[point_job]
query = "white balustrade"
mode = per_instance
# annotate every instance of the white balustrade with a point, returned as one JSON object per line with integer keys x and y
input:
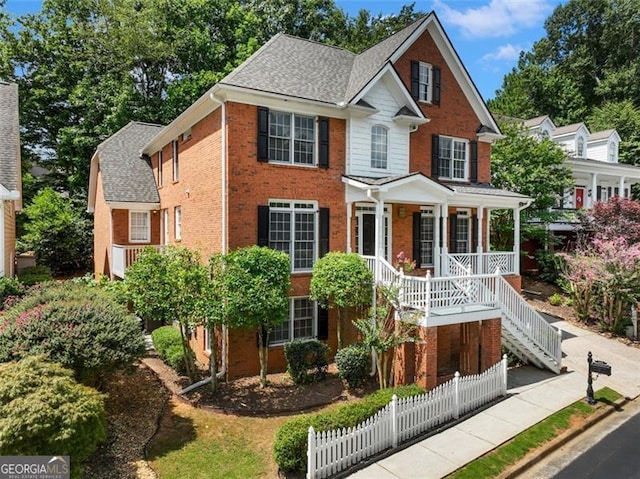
{"x": 124, "y": 256}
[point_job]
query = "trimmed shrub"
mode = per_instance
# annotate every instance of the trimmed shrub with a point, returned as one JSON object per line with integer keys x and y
{"x": 10, "y": 287}
{"x": 35, "y": 274}
{"x": 353, "y": 364}
{"x": 290, "y": 446}
{"x": 80, "y": 327}
{"x": 44, "y": 411}
{"x": 168, "y": 344}
{"x": 307, "y": 360}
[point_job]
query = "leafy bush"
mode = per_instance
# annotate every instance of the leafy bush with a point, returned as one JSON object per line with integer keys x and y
{"x": 43, "y": 411}
{"x": 168, "y": 344}
{"x": 10, "y": 287}
{"x": 353, "y": 364}
{"x": 290, "y": 446}
{"x": 80, "y": 327}
{"x": 307, "y": 360}
{"x": 35, "y": 274}
{"x": 555, "y": 299}
{"x": 549, "y": 266}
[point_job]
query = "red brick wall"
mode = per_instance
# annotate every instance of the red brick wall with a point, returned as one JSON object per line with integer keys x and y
{"x": 454, "y": 116}
{"x": 491, "y": 337}
{"x": 101, "y": 233}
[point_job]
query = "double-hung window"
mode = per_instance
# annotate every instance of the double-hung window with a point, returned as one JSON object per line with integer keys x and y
{"x": 139, "y": 227}
{"x": 580, "y": 147}
{"x": 160, "y": 168}
{"x": 453, "y": 158}
{"x": 292, "y": 138}
{"x": 463, "y": 232}
{"x": 612, "y": 152}
{"x": 177, "y": 220}
{"x": 424, "y": 82}
{"x": 176, "y": 161}
{"x": 427, "y": 237}
{"x": 379, "y": 146}
{"x": 300, "y": 323}
{"x": 293, "y": 229}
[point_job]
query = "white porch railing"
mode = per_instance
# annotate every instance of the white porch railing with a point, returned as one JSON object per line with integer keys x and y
{"x": 330, "y": 452}
{"x": 482, "y": 263}
{"x": 124, "y": 256}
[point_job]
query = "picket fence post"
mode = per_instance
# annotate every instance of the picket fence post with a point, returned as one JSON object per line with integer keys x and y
{"x": 311, "y": 454}
{"x": 456, "y": 381}
{"x": 504, "y": 375}
{"x": 394, "y": 418}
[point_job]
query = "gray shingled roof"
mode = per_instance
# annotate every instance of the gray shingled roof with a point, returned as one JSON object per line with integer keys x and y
{"x": 301, "y": 68}
{"x": 125, "y": 176}
{"x": 564, "y": 130}
{"x": 600, "y": 135}
{"x": 9, "y": 136}
{"x": 532, "y": 122}
{"x": 484, "y": 189}
{"x": 387, "y": 179}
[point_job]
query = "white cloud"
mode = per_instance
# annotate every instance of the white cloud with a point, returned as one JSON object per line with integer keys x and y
{"x": 498, "y": 18}
{"x": 507, "y": 53}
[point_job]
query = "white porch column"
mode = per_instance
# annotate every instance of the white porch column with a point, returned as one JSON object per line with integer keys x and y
{"x": 379, "y": 229}
{"x": 621, "y": 187}
{"x": 444, "y": 250}
{"x": 516, "y": 240}
{"x": 478, "y": 226}
{"x": 349, "y": 210}
{"x": 436, "y": 237}
{"x": 594, "y": 189}
{"x": 487, "y": 241}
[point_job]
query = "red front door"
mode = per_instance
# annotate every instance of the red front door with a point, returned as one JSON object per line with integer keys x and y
{"x": 579, "y": 198}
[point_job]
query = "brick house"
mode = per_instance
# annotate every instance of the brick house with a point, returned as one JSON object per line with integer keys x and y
{"x": 309, "y": 148}
{"x": 10, "y": 175}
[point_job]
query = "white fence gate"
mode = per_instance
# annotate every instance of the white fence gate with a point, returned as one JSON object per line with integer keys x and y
{"x": 330, "y": 452}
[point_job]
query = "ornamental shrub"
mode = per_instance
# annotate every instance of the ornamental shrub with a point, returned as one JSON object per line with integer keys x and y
{"x": 80, "y": 327}
{"x": 353, "y": 364}
{"x": 44, "y": 411}
{"x": 10, "y": 287}
{"x": 35, "y": 274}
{"x": 290, "y": 446}
{"x": 168, "y": 344}
{"x": 306, "y": 360}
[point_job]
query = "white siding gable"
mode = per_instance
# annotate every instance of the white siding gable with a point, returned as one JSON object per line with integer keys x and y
{"x": 599, "y": 149}
{"x": 387, "y": 99}
{"x": 569, "y": 142}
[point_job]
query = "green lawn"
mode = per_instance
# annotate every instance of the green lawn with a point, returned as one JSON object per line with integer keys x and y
{"x": 498, "y": 460}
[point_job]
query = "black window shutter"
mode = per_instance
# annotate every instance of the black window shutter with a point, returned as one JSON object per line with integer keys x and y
{"x": 474, "y": 233}
{"x": 609, "y": 191}
{"x": 626, "y": 192}
{"x": 263, "y": 134}
{"x": 323, "y": 137}
{"x": 473, "y": 147}
{"x": 435, "y": 156}
{"x": 436, "y": 86}
{"x": 599, "y": 193}
{"x": 616, "y": 191}
{"x": 263, "y": 226}
{"x": 324, "y": 232}
{"x": 323, "y": 323}
{"x": 417, "y": 257}
{"x": 440, "y": 232}
{"x": 415, "y": 80}
{"x": 453, "y": 233}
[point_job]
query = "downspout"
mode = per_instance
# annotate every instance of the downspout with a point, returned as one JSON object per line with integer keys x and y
{"x": 374, "y": 356}
{"x": 223, "y": 243}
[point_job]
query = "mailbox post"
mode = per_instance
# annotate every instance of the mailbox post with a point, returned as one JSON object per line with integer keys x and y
{"x": 598, "y": 367}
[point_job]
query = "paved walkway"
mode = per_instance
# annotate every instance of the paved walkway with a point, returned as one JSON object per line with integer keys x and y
{"x": 534, "y": 395}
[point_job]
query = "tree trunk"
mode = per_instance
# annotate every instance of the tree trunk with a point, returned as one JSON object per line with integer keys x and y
{"x": 263, "y": 352}
{"x": 188, "y": 360}
{"x": 213, "y": 359}
{"x": 339, "y": 328}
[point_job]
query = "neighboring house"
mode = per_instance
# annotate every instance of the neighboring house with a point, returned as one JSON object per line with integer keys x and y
{"x": 10, "y": 175}
{"x": 593, "y": 160}
{"x": 309, "y": 148}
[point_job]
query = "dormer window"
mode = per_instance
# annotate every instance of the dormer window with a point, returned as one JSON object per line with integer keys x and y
{"x": 580, "y": 147}
{"x": 379, "y": 146}
{"x": 612, "y": 152}
{"x": 544, "y": 134}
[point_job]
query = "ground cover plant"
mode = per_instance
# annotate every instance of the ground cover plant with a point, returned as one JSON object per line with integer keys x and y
{"x": 44, "y": 411}
{"x": 498, "y": 460}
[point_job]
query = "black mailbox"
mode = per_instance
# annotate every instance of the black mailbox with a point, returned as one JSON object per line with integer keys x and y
{"x": 600, "y": 367}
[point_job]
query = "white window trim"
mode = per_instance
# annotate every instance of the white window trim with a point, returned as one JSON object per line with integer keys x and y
{"x": 612, "y": 152}
{"x": 368, "y": 208}
{"x": 387, "y": 131}
{"x": 316, "y": 225}
{"x": 175, "y": 160}
{"x": 165, "y": 227}
{"x": 148, "y": 233}
{"x": 428, "y": 86}
{"x": 465, "y": 213}
{"x": 467, "y": 160}
{"x": 177, "y": 225}
{"x": 316, "y": 139}
{"x": 314, "y": 322}
{"x": 580, "y": 154}
{"x": 207, "y": 345}
{"x": 428, "y": 212}
{"x": 160, "y": 179}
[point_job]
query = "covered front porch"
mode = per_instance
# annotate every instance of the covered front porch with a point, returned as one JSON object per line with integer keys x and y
{"x": 444, "y": 228}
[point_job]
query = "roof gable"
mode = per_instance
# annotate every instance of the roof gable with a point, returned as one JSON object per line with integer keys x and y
{"x": 569, "y": 130}
{"x": 9, "y": 137}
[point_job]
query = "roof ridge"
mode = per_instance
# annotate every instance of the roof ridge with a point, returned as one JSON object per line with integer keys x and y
{"x": 412, "y": 24}
{"x": 125, "y": 128}
{"x": 309, "y": 40}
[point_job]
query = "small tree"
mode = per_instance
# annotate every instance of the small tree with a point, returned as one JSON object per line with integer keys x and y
{"x": 58, "y": 232}
{"x": 341, "y": 281}
{"x": 258, "y": 282}
{"x": 614, "y": 219}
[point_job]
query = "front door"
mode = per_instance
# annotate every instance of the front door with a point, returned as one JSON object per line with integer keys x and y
{"x": 579, "y": 198}
{"x": 368, "y": 234}
{"x": 366, "y": 231}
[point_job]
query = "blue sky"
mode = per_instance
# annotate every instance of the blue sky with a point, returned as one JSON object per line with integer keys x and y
{"x": 488, "y": 34}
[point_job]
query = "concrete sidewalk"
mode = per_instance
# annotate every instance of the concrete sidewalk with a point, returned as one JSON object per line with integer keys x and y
{"x": 533, "y": 395}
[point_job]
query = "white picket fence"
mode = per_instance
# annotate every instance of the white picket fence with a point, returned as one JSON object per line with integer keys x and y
{"x": 330, "y": 452}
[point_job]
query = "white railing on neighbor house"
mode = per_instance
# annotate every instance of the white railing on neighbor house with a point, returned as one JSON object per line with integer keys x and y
{"x": 124, "y": 256}
{"x": 330, "y": 452}
{"x": 481, "y": 263}
{"x": 527, "y": 325}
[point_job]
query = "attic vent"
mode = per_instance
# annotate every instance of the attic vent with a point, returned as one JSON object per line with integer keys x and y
{"x": 186, "y": 135}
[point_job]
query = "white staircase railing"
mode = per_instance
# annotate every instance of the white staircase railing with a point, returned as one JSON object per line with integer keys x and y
{"x": 481, "y": 263}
